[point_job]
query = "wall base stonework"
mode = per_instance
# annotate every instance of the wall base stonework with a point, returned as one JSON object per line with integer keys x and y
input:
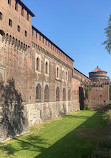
{"x": 34, "y": 114}
{"x": 13, "y": 121}
{"x": 41, "y": 112}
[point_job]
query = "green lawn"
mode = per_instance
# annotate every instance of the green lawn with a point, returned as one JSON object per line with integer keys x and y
{"x": 73, "y": 136}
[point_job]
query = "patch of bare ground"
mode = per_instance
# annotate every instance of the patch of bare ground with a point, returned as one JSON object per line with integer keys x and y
{"x": 92, "y": 133}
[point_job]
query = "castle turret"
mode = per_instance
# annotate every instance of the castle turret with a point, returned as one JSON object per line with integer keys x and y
{"x": 97, "y": 74}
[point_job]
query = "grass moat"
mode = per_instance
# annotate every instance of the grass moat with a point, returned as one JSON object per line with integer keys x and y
{"x": 73, "y": 136}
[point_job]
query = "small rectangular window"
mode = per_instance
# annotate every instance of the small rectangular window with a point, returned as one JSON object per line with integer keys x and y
{"x": 9, "y": 2}
{"x": 27, "y": 16}
{"x": 10, "y": 22}
{"x": 22, "y": 11}
{"x": 26, "y": 33}
{"x": 18, "y": 28}
{"x": 16, "y": 6}
{"x": 36, "y": 35}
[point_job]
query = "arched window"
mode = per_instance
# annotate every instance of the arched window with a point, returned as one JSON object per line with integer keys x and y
{"x": 2, "y": 32}
{"x": 69, "y": 94}
{"x": 46, "y": 67}
{"x": 46, "y": 93}
{"x": 64, "y": 94}
{"x": 37, "y": 64}
{"x": 1, "y": 15}
{"x": 38, "y": 92}
{"x": 57, "y": 94}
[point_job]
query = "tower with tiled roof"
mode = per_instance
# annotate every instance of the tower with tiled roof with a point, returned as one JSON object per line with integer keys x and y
{"x": 97, "y": 74}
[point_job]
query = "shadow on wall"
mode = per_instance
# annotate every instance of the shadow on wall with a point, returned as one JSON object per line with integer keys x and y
{"x": 13, "y": 121}
{"x": 81, "y": 98}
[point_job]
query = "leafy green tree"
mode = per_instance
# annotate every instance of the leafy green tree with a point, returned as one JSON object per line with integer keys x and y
{"x": 108, "y": 35}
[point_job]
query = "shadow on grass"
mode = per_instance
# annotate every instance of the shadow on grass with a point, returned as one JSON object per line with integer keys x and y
{"x": 71, "y": 145}
{"x": 31, "y": 143}
{"x": 74, "y": 146}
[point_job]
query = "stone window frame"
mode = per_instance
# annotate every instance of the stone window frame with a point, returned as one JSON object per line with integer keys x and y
{"x": 46, "y": 67}
{"x": 39, "y": 66}
{"x": 38, "y": 92}
{"x": 1, "y": 16}
{"x": 46, "y": 92}
{"x": 10, "y": 22}
{"x": 57, "y": 93}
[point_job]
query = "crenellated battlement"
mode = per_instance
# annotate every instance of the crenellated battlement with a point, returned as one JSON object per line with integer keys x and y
{"x": 16, "y": 44}
{"x": 100, "y": 83}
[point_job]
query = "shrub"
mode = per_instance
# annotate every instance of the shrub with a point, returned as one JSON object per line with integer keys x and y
{"x": 107, "y": 117}
{"x": 86, "y": 107}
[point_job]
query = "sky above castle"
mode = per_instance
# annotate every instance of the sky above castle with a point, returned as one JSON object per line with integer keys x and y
{"x": 77, "y": 27}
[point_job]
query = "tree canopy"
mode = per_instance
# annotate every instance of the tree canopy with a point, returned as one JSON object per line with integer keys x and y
{"x": 108, "y": 35}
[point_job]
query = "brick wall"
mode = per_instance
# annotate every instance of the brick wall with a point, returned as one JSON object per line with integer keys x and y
{"x": 98, "y": 94}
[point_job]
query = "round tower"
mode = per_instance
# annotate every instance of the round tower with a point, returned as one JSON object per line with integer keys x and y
{"x": 97, "y": 74}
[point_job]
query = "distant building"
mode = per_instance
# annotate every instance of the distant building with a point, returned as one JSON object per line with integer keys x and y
{"x": 97, "y": 89}
{"x": 97, "y": 74}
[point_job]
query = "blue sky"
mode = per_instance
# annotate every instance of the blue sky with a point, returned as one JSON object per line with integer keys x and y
{"x": 77, "y": 27}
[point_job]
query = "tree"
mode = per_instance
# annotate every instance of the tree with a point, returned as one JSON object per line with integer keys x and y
{"x": 108, "y": 35}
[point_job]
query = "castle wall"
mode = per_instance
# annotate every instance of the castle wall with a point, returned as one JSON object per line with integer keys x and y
{"x": 75, "y": 94}
{"x": 8, "y": 12}
{"x": 37, "y": 79}
{"x": 19, "y": 65}
{"x": 39, "y": 39}
{"x": 98, "y": 94}
{"x": 77, "y": 88}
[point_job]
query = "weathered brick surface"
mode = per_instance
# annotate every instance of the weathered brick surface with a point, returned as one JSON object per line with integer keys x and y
{"x": 98, "y": 93}
{"x": 18, "y": 55}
